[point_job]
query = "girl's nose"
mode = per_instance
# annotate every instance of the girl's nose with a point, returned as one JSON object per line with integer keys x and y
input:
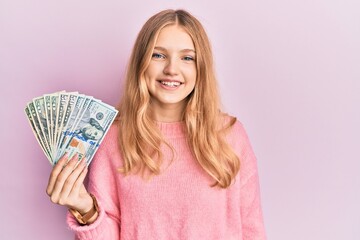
{"x": 171, "y": 67}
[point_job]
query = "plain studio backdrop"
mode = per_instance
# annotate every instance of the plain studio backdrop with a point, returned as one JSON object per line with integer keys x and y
{"x": 288, "y": 69}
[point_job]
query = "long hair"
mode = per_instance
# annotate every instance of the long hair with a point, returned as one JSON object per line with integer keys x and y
{"x": 139, "y": 137}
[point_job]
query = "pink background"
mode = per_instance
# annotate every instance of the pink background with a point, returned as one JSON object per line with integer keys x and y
{"x": 289, "y": 70}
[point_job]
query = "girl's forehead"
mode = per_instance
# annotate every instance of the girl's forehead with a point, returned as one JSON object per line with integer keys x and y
{"x": 174, "y": 37}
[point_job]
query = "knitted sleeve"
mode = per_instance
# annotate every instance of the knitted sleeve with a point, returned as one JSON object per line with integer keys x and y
{"x": 250, "y": 202}
{"x": 102, "y": 183}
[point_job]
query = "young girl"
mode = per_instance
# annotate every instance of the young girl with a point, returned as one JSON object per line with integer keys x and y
{"x": 172, "y": 166}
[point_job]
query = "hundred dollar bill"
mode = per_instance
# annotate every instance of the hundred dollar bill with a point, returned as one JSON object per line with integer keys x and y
{"x": 61, "y": 106}
{"x": 72, "y": 109}
{"x": 79, "y": 109}
{"x": 47, "y": 104}
{"x": 90, "y": 130}
{"x": 39, "y": 104}
{"x": 31, "y": 114}
{"x": 54, "y": 99}
{"x": 64, "y": 122}
{"x": 37, "y": 125}
{"x": 64, "y": 111}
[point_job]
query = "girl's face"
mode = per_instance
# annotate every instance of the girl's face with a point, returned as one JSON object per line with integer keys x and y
{"x": 171, "y": 74}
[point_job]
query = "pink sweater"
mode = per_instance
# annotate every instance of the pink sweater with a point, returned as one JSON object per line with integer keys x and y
{"x": 178, "y": 204}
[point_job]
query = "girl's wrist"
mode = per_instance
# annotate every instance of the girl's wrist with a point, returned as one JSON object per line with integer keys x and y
{"x": 87, "y": 206}
{"x": 89, "y": 215}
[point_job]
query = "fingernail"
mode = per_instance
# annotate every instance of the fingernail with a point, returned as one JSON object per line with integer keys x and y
{"x": 75, "y": 157}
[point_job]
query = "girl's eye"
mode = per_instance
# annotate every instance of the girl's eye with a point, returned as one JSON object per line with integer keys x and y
{"x": 158, "y": 55}
{"x": 188, "y": 58}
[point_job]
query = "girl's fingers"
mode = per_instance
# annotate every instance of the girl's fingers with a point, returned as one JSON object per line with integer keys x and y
{"x": 61, "y": 178}
{"x": 55, "y": 172}
{"x": 70, "y": 181}
{"x": 80, "y": 180}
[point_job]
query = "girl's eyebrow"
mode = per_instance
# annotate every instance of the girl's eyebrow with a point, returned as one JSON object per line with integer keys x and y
{"x": 183, "y": 50}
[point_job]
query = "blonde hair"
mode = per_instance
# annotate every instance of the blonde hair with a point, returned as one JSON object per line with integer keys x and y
{"x": 140, "y": 138}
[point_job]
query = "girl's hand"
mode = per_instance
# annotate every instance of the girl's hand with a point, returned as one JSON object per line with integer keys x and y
{"x": 66, "y": 184}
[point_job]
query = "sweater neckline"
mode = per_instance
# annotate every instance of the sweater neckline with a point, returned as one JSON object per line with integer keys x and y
{"x": 172, "y": 129}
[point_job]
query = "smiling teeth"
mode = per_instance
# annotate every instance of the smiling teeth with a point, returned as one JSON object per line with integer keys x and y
{"x": 170, "y": 84}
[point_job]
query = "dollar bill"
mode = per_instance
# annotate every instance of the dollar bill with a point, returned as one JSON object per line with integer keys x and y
{"x": 53, "y": 112}
{"x": 33, "y": 128}
{"x": 76, "y": 116}
{"x": 47, "y": 102}
{"x": 63, "y": 100}
{"x": 65, "y": 107}
{"x": 37, "y": 129}
{"x": 39, "y": 104}
{"x": 76, "y": 102}
{"x": 69, "y": 122}
{"x": 90, "y": 130}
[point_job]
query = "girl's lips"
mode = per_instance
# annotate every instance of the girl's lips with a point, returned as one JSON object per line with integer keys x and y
{"x": 169, "y": 80}
{"x": 170, "y": 84}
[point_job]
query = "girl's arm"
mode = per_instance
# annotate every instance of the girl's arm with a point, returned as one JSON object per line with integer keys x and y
{"x": 102, "y": 184}
{"x": 251, "y": 211}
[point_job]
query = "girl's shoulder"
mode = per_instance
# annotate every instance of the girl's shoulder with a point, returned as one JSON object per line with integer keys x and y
{"x": 230, "y": 122}
{"x": 233, "y": 128}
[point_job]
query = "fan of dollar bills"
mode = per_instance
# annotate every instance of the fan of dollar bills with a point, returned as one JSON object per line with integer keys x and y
{"x": 69, "y": 122}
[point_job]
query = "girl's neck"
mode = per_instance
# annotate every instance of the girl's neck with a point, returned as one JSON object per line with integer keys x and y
{"x": 166, "y": 112}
